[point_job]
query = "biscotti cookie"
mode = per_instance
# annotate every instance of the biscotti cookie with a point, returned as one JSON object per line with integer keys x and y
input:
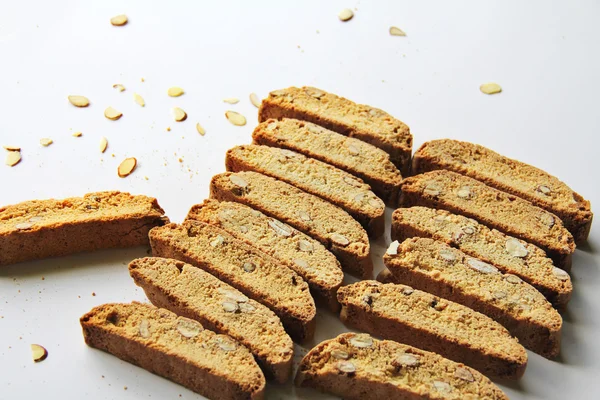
{"x": 254, "y": 273}
{"x": 301, "y": 253}
{"x": 354, "y": 156}
{"x": 319, "y": 219}
{"x": 420, "y": 319}
{"x": 341, "y": 115}
{"x": 313, "y": 176}
{"x": 502, "y": 211}
{"x": 508, "y": 254}
{"x": 356, "y": 366}
{"x": 508, "y": 175}
{"x": 441, "y": 270}
{"x": 177, "y": 348}
{"x": 48, "y": 228}
{"x": 193, "y": 293}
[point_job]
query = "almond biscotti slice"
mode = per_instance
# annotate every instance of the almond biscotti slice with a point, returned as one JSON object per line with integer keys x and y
{"x": 420, "y": 319}
{"x": 48, "y": 228}
{"x": 177, "y": 348}
{"x": 515, "y": 177}
{"x": 354, "y": 156}
{"x": 254, "y": 273}
{"x": 301, "y": 253}
{"x": 193, "y": 293}
{"x": 313, "y": 176}
{"x": 321, "y": 220}
{"x": 341, "y": 115}
{"x": 508, "y": 254}
{"x": 502, "y": 211}
{"x": 441, "y": 270}
{"x": 356, "y": 366}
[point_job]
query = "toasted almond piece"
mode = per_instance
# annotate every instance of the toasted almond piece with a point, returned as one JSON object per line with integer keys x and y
{"x": 127, "y": 167}
{"x": 39, "y": 353}
{"x": 490, "y": 88}
{"x": 112, "y": 114}
{"x": 346, "y": 14}
{"x": 395, "y": 31}
{"x": 79, "y": 101}
{"x": 231, "y": 100}
{"x": 119, "y": 87}
{"x": 139, "y": 99}
{"x": 200, "y": 129}
{"x": 179, "y": 114}
{"x": 77, "y": 134}
{"x": 175, "y": 91}
{"x": 103, "y": 144}
{"x": 235, "y": 118}
{"x": 46, "y": 142}
{"x": 12, "y": 148}
{"x": 119, "y": 20}
{"x": 13, "y": 158}
{"x": 254, "y": 100}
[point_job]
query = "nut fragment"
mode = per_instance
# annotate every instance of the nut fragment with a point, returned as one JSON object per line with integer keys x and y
{"x": 447, "y": 255}
{"x": 352, "y": 149}
{"x": 79, "y": 101}
{"x": 231, "y": 100}
{"x": 464, "y": 192}
{"x": 376, "y": 203}
{"x": 119, "y": 87}
{"x": 238, "y": 181}
{"x": 127, "y": 167}
{"x": 235, "y": 118}
{"x": 395, "y": 31}
{"x": 544, "y": 190}
{"x": 305, "y": 245}
{"x": 442, "y": 386}
{"x": 38, "y": 352}
{"x": 352, "y": 182}
{"x": 103, "y": 144}
{"x": 77, "y": 134}
{"x": 119, "y": 20}
{"x": 407, "y": 290}
{"x": 547, "y": 219}
{"x": 515, "y": 248}
{"x": 200, "y": 129}
{"x": 112, "y": 114}
{"x": 245, "y": 307}
{"x": 405, "y": 360}
{"x": 179, "y": 114}
{"x": 139, "y": 99}
{"x": 189, "y": 328}
{"x": 219, "y": 240}
{"x": 23, "y": 226}
{"x": 339, "y": 354}
{"x": 362, "y": 340}
{"x": 230, "y": 306}
{"x": 346, "y": 14}
{"x": 254, "y": 100}
{"x": 46, "y": 142}
{"x": 13, "y": 158}
{"x": 280, "y": 228}
{"x": 346, "y": 366}
{"x": 499, "y": 294}
{"x": 512, "y": 279}
{"x": 481, "y": 266}
{"x": 464, "y": 374}
{"x": 393, "y": 248}
{"x": 560, "y": 274}
{"x": 175, "y": 91}
{"x": 225, "y": 344}
{"x": 490, "y": 88}
{"x": 304, "y": 215}
{"x": 432, "y": 189}
{"x": 314, "y": 92}
{"x": 301, "y": 263}
{"x": 339, "y": 239}
{"x": 144, "y": 328}
{"x": 249, "y": 267}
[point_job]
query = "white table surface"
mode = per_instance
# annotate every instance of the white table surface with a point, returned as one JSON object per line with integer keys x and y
{"x": 544, "y": 54}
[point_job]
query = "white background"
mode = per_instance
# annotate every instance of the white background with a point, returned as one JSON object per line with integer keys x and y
{"x": 544, "y": 54}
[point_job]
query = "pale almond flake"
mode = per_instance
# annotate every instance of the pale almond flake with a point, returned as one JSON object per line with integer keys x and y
{"x": 175, "y": 91}
{"x": 512, "y": 279}
{"x": 346, "y": 14}
{"x": 24, "y": 226}
{"x": 279, "y": 227}
{"x": 139, "y": 99}
{"x": 38, "y": 352}
{"x": 119, "y": 87}
{"x": 144, "y": 328}
{"x": 230, "y": 306}
{"x": 226, "y": 344}
{"x": 515, "y": 248}
{"x": 560, "y": 274}
{"x": 46, "y": 142}
{"x": 179, "y": 114}
{"x": 238, "y": 181}
{"x": 464, "y": 374}
{"x": 406, "y": 360}
{"x": 254, "y": 100}
{"x": 13, "y": 158}
{"x": 127, "y": 167}
{"x": 103, "y": 144}
{"x": 219, "y": 240}
{"x": 235, "y": 118}
{"x": 346, "y": 366}
{"x": 301, "y": 263}
{"x": 189, "y": 328}
{"x": 339, "y": 239}
{"x": 441, "y": 386}
{"x": 490, "y": 88}
{"x": 304, "y": 216}
{"x": 481, "y": 266}
{"x": 200, "y": 129}
{"x": 305, "y": 245}
{"x": 395, "y": 31}
{"x": 112, "y": 114}
{"x": 119, "y": 20}
{"x": 249, "y": 267}
{"x": 340, "y": 354}
{"x": 79, "y": 101}
{"x": 231, "y": 100}
{"x": 393, "y": 248}
{"x": 362, "y": 341}
{"x": 447, "y": 255}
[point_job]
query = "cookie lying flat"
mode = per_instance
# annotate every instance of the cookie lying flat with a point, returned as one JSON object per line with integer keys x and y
{"x": 254, "y": 273}
{"x": 441, "y": 270}
{"x": 341, "y": 115}
{"x": 508, "y": 254}
{"x": 301, "y": 253}
{"x": 193, "y": 293}
{"x": 515, "y": 177}
{"x": 177, "y": 348}
{"x": 356, "y": 366}
{"x": 354, "y": 156}
{"x": 319, "y": 219}
{"x": 313, "y": 176}
{"x": 420, "y": 319}
{"x": 48, "y": 228}
{"x": 505, "y": 212}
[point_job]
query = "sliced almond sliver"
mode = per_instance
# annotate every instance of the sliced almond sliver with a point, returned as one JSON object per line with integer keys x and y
{"x": 77, "y": 134}
{"x": 13, "y": 158}
{"x": 139, "y": 99}
{"x": 127, "y": 167}
{"x": 200, "y": 129}
{"x": 119, "y": 87}
{"x": 39, "y": 353}
{"x": 103, "y": 144}
{"x": 79, "y": 101}
{"x": 235, "y": 118}
{"x": 395, "y": 31}
{"x": 254, "y": 100}
{"x": 46, "y": 142}
{"x": 112, "y": 114}
{"x": 175, "y": 91}
{"x": 119, "y": 20}
{"x": 346, "y": 14}
{"x": 231, "y": 100}
{"x": 179, "y": 114}
{"x": 12, "y": 148}
{"x": 490, "y": 88}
